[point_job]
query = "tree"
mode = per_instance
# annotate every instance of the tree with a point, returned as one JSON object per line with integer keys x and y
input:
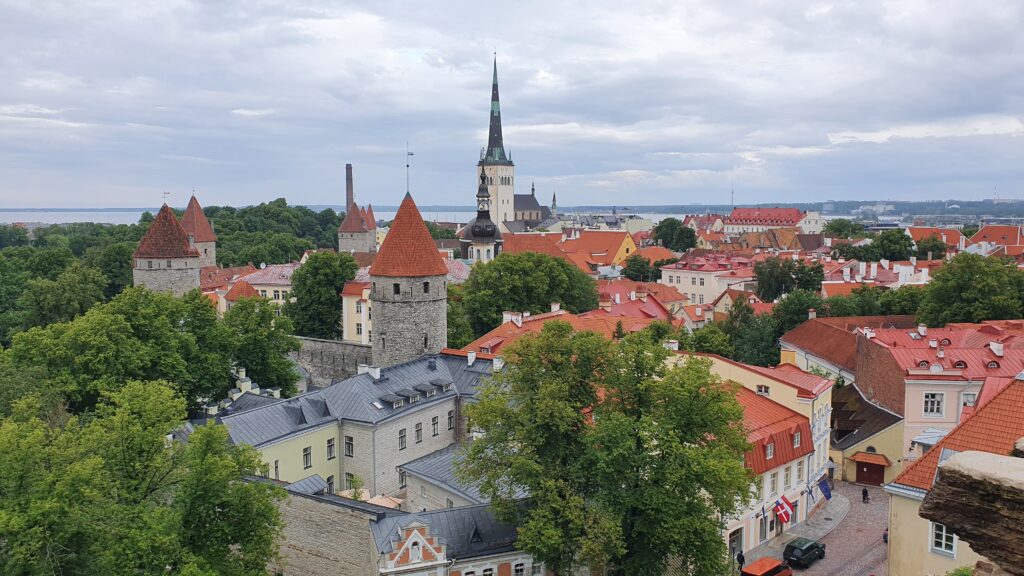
{"x": 903, "y": 300}
{"x": 619, "y": 333}
{"x": 460, "y": 331}
{"x": 533, "y": 416}
{"x": 862, "y": 301}
{"x": 77, "y": 289}
{"x": 756, "y": 341}
{"x": 525, "y": 282}
{"x": 11, "y": 235}
{"x": 645, "y": 479}
{"x": 671, "y": 233}
{"x": 843, "y": 228}
{"x": 115, "y": 262}
{"x": 792, "y": 310}
{"x": 968, "y": 231}
{"x": 711, "y": 339}
{"x": 932, "y": 246}
{"x": 892, "y": 245}
{"x": 972, "y": 288}
{"x": 316, "y": 290}
{"x": 639, "y": 269}
{"x": 439, "y": 232}
{"x": 261, "y": 342}
{"x": 777, "y": 276}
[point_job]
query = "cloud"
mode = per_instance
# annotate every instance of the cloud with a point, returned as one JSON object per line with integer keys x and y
{"x": 250, "y": 113}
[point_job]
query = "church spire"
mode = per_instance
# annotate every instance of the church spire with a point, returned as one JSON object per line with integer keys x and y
{"x": 495, "y": 146}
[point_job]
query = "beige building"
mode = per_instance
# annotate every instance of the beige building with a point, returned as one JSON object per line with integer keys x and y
{"x": 273, "y": 282}
{"x": 703, "y": 280}
{"x": 356, "y": 318}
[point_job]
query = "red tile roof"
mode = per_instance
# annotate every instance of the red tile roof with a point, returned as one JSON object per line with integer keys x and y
{"x": 597, "y": 246}
{"x": 354, "y": 220}
{"x": 195, "y": 223}
{"x": 654, "y": 253}
{"x": 543, "y": 244}
{"x": 354, "y": 288}
{"x": 213, "y": 277}
{"x": 840, "y": 288}
{"x": 766, "y": 216}
{"x": 165, "y": 238}
{"x": 272, "y": 275}
{"x": 833, "y": 340}
{"x": 807, "y": 385}
{"x": 241, "y": 289}
{"x": 1002, "y": 235}
{"x": 663, "y": 292}
{"x": 952, "y": 235}
{"x": 408, "y": 249}
{"x": 871, "y": 458}
{"x": 768, "y": 422}
{"x": 371, "y": 220}
{"x": 994, "y": 428}
{"x": 496, "y": 340}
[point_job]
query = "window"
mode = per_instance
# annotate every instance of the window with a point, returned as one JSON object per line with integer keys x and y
{"x": 307, "y": 457}
{"x": 933, "y": 403}
{"x": 423, "y": 490}
{"x": 446, "y": 388}
{"x": 401, "y": 439}
{"x": 786, "y": 478}
{"x": 922, "y": 364}
{"x": 419, "y": 432}
{"x": 448, "y": 503}
{"x": 359, "y": 307}
{"x": 349, "y": 479}
{"x": 415, "y": 398}
{"x": 397, "y": 404}
{"x": 701, "y": 298}
{"x": 415, "y": 554}
{"x": 702, "y": 281}
{"x": 969, "y": 398}
{"x": 349, "y": 446}
{"x": 330, "y": 449}
{"x": 263, "y": 293}
{"x": 693, "y": 281}
{"x": 451, "y": 419}
{"x": 519, "y": 570}
{"x": 397, "y": 288}
{"x": 942, "y": 540}
{"x": 168, "y": 263}
{"x": 401, "y": 478}
{"x": 277, "y": 470}
{"x": 488, "y": 572}
{"x": 149, "y": 264}
{"x": 796, "y": 439}
{"x": 992, "y": 364}
{"x": 330, "y": 484}
{"x": 359, "y": 328}
{"x": 426, "y": 287}
{"x": 763, "y": 390}
{"x": 960, "y": 364}
{"x": 769, "y": 451}
{"x": 424, "y": 341}
{"x": 433, "y": 426}
{"x": 277, "y": 294}
{"x": 431, "y": 392}
{"x": 773, "y": 486}
{"x": 800, "y": 471}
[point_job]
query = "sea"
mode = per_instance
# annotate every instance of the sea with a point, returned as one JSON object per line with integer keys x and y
{"x": 132, "y": 215}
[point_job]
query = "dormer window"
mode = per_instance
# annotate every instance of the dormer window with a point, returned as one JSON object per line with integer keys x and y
{"x": 415, "y": 398}
{"x": 960, "y": 364}
{"x": 945, "y": 342}
{"x": 769, "y": 451}
{"x": 796, "y": 439}
{"x": 992, "y": 364}
{"x": 763, "y": 390}
{"x": 446, "y": 388}
{"x": 431, "y": 393}
{"x": 922, "y": 364}
{"x": 397, "y": 404}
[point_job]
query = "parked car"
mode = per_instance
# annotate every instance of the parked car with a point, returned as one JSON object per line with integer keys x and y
{"x": 802, "y": 552}
{"x": 767, "y": 567}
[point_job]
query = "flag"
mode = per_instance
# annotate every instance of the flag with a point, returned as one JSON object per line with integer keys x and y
{"x": 823, "y": 484}
{"x": 810, "y": 493}
{"x": 783, "y": 509}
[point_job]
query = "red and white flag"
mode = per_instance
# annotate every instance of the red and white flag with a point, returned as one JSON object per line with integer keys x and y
{"x": 783, "y": 509}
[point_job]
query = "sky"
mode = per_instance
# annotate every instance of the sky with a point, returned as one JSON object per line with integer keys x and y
{"x": 115, "y": 103}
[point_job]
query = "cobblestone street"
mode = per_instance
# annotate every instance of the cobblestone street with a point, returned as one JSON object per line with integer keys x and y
{"x": 855, "y": 547}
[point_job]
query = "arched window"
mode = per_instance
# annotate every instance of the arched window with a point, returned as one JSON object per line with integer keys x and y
{"x": 945, "y": 342}
{"x": 960, "y": 364}
{"x": 993, "y": 364}
{"x": 870, "y": 449}
{"x": 330, "y": 484}
{"x": 922, "y": 364}
{"x": 415, "y": 553}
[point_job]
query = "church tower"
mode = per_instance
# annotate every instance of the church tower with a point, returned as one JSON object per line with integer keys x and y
{"x": 481, "y": 238}
{"x": 496, "y": 165}
{"x": 554, "y": 205}
{"x": 408, "y": 292}
{"x": 200, "y": 233}
{"x": 166, "y": 259}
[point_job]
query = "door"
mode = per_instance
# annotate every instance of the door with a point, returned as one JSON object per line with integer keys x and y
{"x": 873, "y": 474}
{"x": 794, "y": 518}
{"x": 735, "y": 544}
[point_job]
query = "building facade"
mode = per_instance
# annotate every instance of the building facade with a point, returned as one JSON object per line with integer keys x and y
{"x": 495, "y": 166}
{"x": 166, "y": 259}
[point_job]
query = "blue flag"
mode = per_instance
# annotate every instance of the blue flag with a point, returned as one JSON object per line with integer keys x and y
{"x": 823, "y": 484}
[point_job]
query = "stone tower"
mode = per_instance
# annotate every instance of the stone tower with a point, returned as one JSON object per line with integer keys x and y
{"x": 358, "y": 231}
{"x": 166, "y": 260}
{"x": 497, "y": 165}
{"x": 200, "y": 233}
{"x": 408, "y": 292}
{"x": 554, "y": 205}
{"x": 481, "y": 238}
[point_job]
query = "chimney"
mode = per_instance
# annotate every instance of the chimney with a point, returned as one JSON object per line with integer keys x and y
{"x": 863, "y": 267}
{"x": 996, "y": 347}
{"x": 922, "y": 329}
{"x": 514, "y": 317}
{"x": 212, "y": 408}
{"x": 924, "y": 275}
{"x": 556, "y": 306}
{"x": 940, "y": 353}
{"x": 933, "y": 343}
{"x": 885, "y": 263}
{"x": 349, "y": 189}
{"x": 699, "y": 312}
{"x": 672, "y": 345}
{"x": 362, "y": 369}
{"x": 913, "y": 260}
{"x": 605, "y": 301}
{"x": 929, "y": 254}
{"x": 374, "y": 372}
{"x": 828, "y": 258}
{"x": 812, "y": 313}
{"x": 497, "y": 364}
{"x": 470, "y": 358}
{"x": 641, "y": 293}
{"x": 618, "y": 299}
{"x": 874, "y": 269}
{"x": 241, "y": 373}
{"x": 632, "y": 295}
{"x": 846, "y": 274}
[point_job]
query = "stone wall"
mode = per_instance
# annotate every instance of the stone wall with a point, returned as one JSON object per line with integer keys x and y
{"x": 357, "y": 241}
{"x": 330, "y": 360}
{"x": 324, "y": 539}
{"x": 177, "y": 280}
{"x": 402, "y": 321}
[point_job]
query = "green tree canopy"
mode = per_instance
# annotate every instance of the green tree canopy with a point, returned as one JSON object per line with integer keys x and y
{"x": 777, "y": 276}
{"x": 460, "y": 331}
{"x": 792, "y": 310}
{"x": 316, "y": 291}
{"x": 261, "y": 339}
{"x": 524, "y": 282}
{"x": 843, "y": 228}
{"x": 640, "y": 269}
{"x": 711, "y": 339}
{"x": 931, "y": 246}
{"x": 892, "y": 245}
{"x": 671, "y": 234}
{"x": 439, "y": 232}
{"x": 972, "y": 288}
{"x": 11, "y": 235}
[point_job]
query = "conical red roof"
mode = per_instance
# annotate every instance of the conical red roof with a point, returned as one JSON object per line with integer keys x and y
{"x": 370, "y": 220}
{"x": 165, "y": 238}
{"x": 195, "y": 223}
{"x": 408, "y": 249}
{"x": 353, "y": 221}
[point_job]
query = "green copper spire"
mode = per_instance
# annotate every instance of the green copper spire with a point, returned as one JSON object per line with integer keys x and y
{"x": 495, "y": 146}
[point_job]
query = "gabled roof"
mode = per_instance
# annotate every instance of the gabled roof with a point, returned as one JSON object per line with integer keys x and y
{"x": 354, "y": 288}
{"x": 1001, "y": 235}
{"x": 439, "y": 468}
{"x": 952, "y": 235}
{"x": 851, "y": 412}
{"x": 766, "y": 216}
{"x": 466, "y": 531}
{"x": 354, "y": 220}
{"x": 807, "y": 385}
{"x": 165, "y": 238}
{"x": 597, "y": 246}
{"x": 542, "y": 244}
{"x": 408, "y": 249}
{"x": 663, "y": 292}
{"x": 768, "y": 422}
{"x": 370, "y": 220}
{"x": 213, "y": 277}
{"x": 273, "y": 275}
{"x": 654, "y": 253}
{"x": 195, "y": 223}
{"x": 495, "y": 341}
{"x": 833, "y": 339}
{"x": 241, "y": 289}
{"x": 993, "y": 428}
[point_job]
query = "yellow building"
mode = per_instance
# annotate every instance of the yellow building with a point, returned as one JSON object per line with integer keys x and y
{"x": 867, "y": 439}
{"x": 356, "y": 315}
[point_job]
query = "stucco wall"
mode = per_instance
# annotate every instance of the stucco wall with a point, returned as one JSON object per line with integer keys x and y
{"x": 330, "y": 360}
{"x": 387, "y": 456}
{"x": 888, "y": 442}
{"x": 915, "y": 418}
{"x": 425, "y": 495}
{"x": 910, "y": 552}
{"x": 288, "y": 455}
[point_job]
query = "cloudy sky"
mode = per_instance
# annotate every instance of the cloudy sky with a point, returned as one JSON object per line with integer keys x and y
{"x": 111, "y": 103}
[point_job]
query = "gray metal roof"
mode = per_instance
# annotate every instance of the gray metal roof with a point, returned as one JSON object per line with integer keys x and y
{"x": 439, "y": 468}
{"x": 353, "y": 399}
{"x": 309, "y": 485}
{"x": 456, "y": 528}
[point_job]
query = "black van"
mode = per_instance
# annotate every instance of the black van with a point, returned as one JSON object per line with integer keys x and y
{"x": 803, "y": 552}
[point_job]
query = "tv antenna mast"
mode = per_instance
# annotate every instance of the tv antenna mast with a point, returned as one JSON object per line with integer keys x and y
{"x": 407, "y": 155}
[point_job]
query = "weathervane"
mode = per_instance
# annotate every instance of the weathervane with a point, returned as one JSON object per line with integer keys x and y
{"x": 164, "y": 195}
{"x": 407, "y": 155}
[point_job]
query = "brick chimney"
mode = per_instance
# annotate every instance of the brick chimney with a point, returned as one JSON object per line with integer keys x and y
{"x": 349, "y": 188}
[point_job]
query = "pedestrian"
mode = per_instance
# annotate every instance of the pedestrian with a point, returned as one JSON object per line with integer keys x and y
{"x": 864, "y": 496}
{"x": 740, "y": 560}
{"x": 885, "y": 535}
